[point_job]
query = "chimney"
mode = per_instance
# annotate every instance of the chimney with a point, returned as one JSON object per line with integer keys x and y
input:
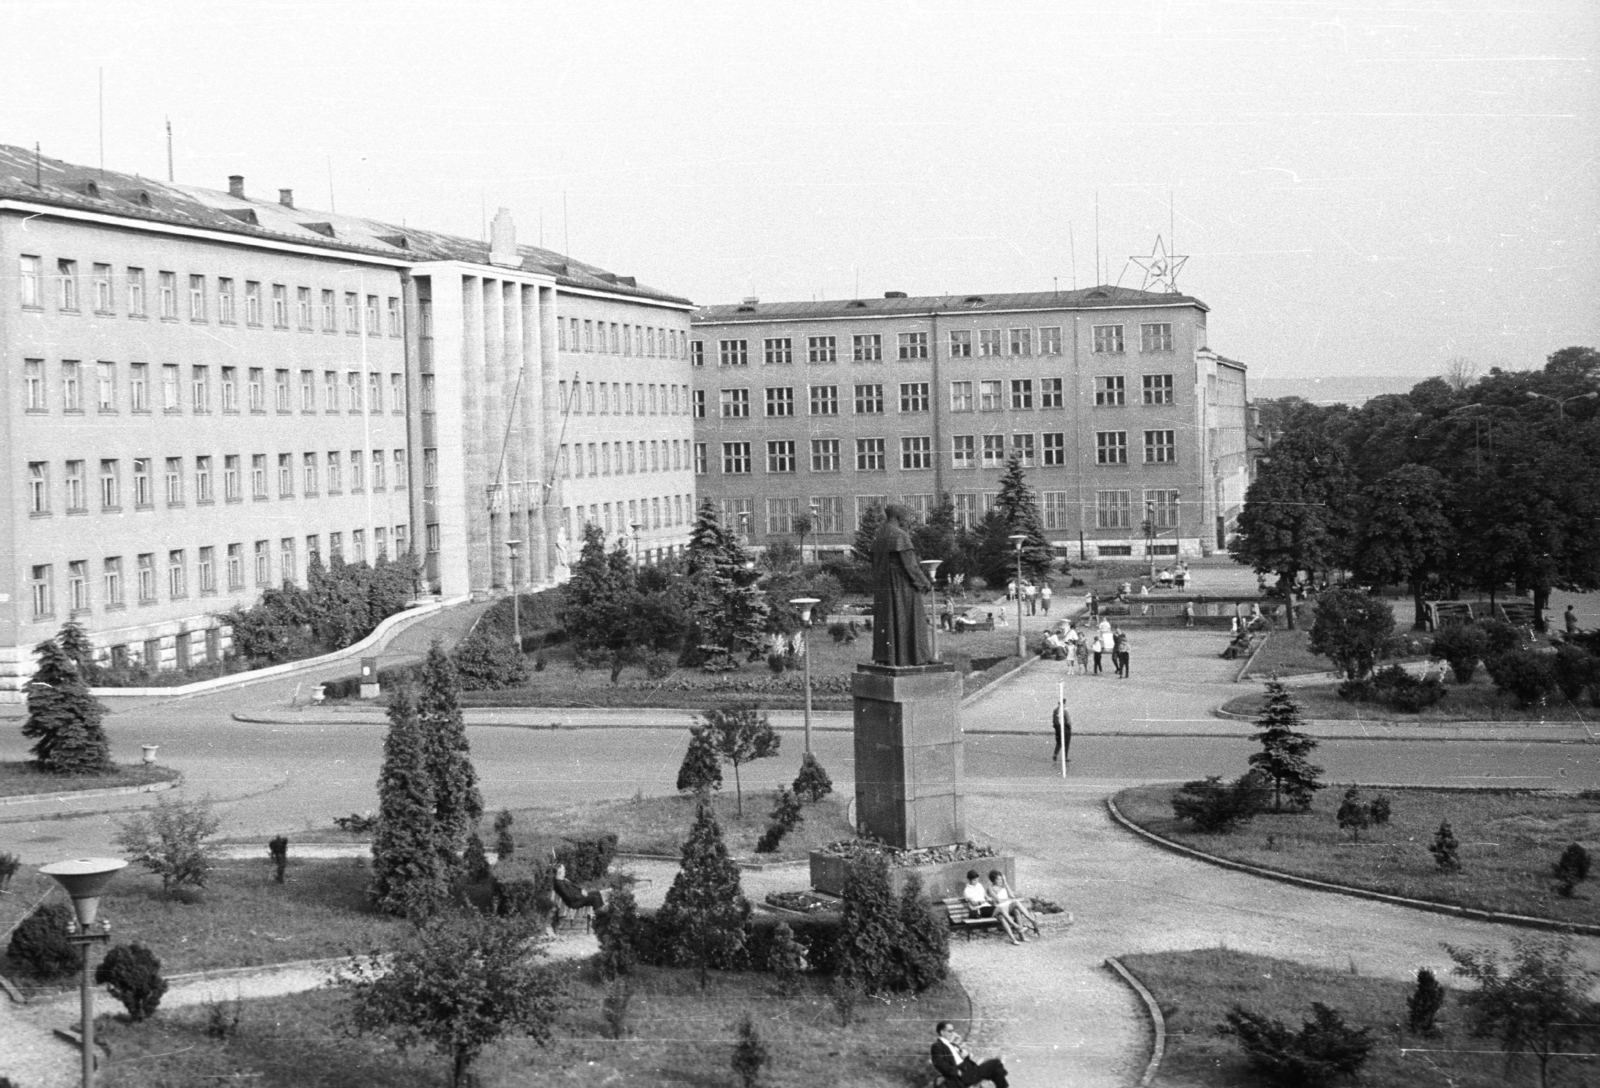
{"x": 285, "y": 197}
{"x": 236, "y": 185}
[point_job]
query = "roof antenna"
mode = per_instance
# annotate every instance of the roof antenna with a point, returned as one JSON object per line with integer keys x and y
{"x": 102, "y": 106}
{"x": 38, "y": 181}
{"x": 1072, "y": 247}
{"x": 169, "y": 150}
{"x": 1097, "y": 234}
{"x": 331, "y": 208}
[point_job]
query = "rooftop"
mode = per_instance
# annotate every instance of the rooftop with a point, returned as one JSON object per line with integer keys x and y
{"x": 895, "y": 303}
{"x": 107, "y": 192}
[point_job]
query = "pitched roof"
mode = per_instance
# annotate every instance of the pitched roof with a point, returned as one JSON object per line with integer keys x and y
{"x": 129, "y": 196}
{"x": 1088, "y": 298}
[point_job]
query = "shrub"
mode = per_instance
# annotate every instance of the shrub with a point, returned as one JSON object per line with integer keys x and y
{"x": 505, "y": 847}
{"x": 616, "y": 928}
{"x": 356, "y": 823}
{"x": 1525, "y": 674}
{"x": 750, "y": 1054}
{"x": 278, "y": 850}
{"x": 222, "y": 1019}
{"x": 1500, "y": 636}
{"x": 486, "y": 660}
{"x": 1394, "y": 688}
{"x": 1354, "y": 813}
{"x": 1445, "y": 849}
{"x": 705, "y": 909}
{"x": 786, "y": 959}
{"x": 812, "y": 783}
{"x": 840, "y": 632}
{"x": 1424, "y": 1004}
{"x": 40, "y": 945}
{"x": 925, "y": 949}
{"x": 1540, "y": 1003}
{"x": 1575, "y": 669}
{"x": 1381, "y": 810}
{"x": 887, "y": 946}
{"x": 1325, "y": 1047}
{"x": 1572, "y": 868}
{"x": 786, "y": 815}
{"x": 776, "y": 664}
{"x": 474, "y": 859}
{"x": 587, "y": 859}
{"x": 844, "y": 991}
{"x": 1353, "y": 628}
{"x": 524, "y": 888}
{"x": 701, "y": 769}
{"x": 614, "y": 1008}
{"x": 131, "y": 973}
{"x": 1216, "y": 807}
{"x": 658, "y": 664}
{"x": 1462, "y": 645}
{"x": 170, "y": 841}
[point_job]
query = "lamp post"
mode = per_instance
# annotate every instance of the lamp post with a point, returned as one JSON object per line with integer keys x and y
{"x": 84, "y": 879}
{"x": 1017, "y": 540}
{"x": 811, "y": 524}
{"x": 928, "y": 568}
{"x": 1150, "y": 536}
{"x": 516, "y": 611}
{"x": 805, "y": 605}
{"x": 1561, "y": 402}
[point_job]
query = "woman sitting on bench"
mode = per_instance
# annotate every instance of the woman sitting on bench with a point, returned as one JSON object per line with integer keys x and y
{"x": 1007, "y": 905}
{"x": 980, "y": 904}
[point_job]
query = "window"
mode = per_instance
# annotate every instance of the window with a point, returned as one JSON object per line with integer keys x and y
{"x": 106, "y": 387}
{"x": 231, "y": 491}
{"x": 1021, "y": 393}
{"x": 336, "y": 475}
{"x": 1161, "y": 507}
{"x": 916, "y": 453}
{"x": 777, "y": 350}
{"x": 735, "y": 403}
{"x": 1049, "y": 392}
{"x": 352, "y": 385}
{"x": 1108, "y": 339}
{"x": 868, "y": 348}
{"x": 1050, "y": 340}
{"x": 1157, "y": 388}
{"x": 1055, "y": 449}
{"x": 379, "y": 482}
{"x": 1159, "y": 448}
{"x": 135, "y": 284}
{"x": 373, "y": 328}
{"x": 380, "y": 542}
{"x": 143, "y": 496}
{"x": 822, "y": 349}
{"x": 824, "y": 455}
{"x": 102, "y": 289}
{"x": 28, "y": 274}
{"x": 865, "y": 503}
{"x": 1156, "y": 337}
{"x": 989, "y": 396}
{"x": 281, "y": 383}
{"x": 78, "y": 585}
{"x": 302, "y": 297}
{"x": 205, "y": 570}
{"x": 197, "y": 298}
{"x": 358, "y": 469}
{"x": 67, "y": 281}
{"x": 171, "y": 396}
{"x": 139, "y": 387}
{"x": 913, "y": 396}
{"x": 1054, "y": 504}
{"x": 110, "y": 485}
{"x": 780, "y": 401}
{"x": 697, "y": 353}
{"x": 989, "y": 343}
{"x": 913, "y": 345}
{"x": 699, "y": 404}
{"x": 700, "y": 468}
{"x": 1021, "y": 341}
{"x": 394, "y": 316}
{"x": 780, "y": 456}
{"x": 177, "y": 574}
{"x": 33, "y": 385}
{"x": 781, "y": 514}
{"x": 1111, "y": 447}
{"x": 427, "y": 393}
{"x": 1109, "y": 391}
{"x": 827, "y": 514}
{"x": 280, "y": 306}
{"x": 375, "y": 392}
{"x": 72, "y": 385}
{"x": 960, "y": 344}
{"x": 330, "y": 314}
{"x": 41, "y": 587}
{"x": 352, "y": 314}
{"x": 147, "y": 577}
{"x": 961, "y": 396}
{"x": 869, "y": 455}
{"x": 38, "y": 487}
{"x": 1112, "y": 510}
{"x": 112, "y": 581}
{"x": 308, "y": 474}
{"x": 225, "y": 300}
{"x": 994, "y": 451}
{"x": 77, "y": 493}
{"x": 235, "y": 566}
{"x": 174, "y": 481}
{"x": 200, "y": 388}
{"x": 869, "y": 400}
{"x": 202, "y": 479}
{"x": 252, "y": 302}
{"x": 263, "y": 563}
{"x": 258, "y": 475}
{"x": 167, "y": 295}
{"x": 397, "y": 389}
{"x": 258, "y": 390}
{"x": 286, "y": 559}
{"x": 736, "y": 458}
{"x": 1022, "y": 449}
{"x": 733, "y": 353}
{"x": 963, "y": 450}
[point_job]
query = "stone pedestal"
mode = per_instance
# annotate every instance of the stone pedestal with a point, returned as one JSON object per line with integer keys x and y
{"x": 908, "y": 754}
{"x": 940, "y": 880}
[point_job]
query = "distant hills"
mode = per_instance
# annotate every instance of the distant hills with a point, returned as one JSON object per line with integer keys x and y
{"x": 1353, "y": 389}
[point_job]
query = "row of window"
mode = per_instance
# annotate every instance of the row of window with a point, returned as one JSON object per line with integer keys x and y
{"x": 661, "y": 512}
{"x": 623, "y": 458}
{"x": 183, "y": 479}
{"x": 915, "y": 397}
{"x": 116, "y": 390}
{"x": 916, "y": 452}
{"x": 624, "y": 399}
{"x": 612, "y": 338}
{"x": 991, "y": 343}
{"x": 1113, "y": 509}
{"x": 196, "y": 571}
{"x": 201, "y": 302}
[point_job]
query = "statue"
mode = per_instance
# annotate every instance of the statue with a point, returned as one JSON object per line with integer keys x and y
{"x": 899, "y": 621}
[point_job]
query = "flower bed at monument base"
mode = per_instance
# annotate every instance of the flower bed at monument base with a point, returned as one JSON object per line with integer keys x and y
{"x": 943, "y": 868}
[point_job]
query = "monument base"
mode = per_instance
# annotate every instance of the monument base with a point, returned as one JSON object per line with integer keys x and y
{"x": 940, "y": 879}
{"x": 908, "y": 754}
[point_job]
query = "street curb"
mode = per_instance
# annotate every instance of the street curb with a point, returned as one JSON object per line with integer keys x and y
{"x": 1221, "y": 713}
{"x": 751, "y": 866}
{"x": 36, "y": 817}
{"x": 1158, "y": 1022}
{"x": 109, "y": 791}
{"x": 1521, "y": 920}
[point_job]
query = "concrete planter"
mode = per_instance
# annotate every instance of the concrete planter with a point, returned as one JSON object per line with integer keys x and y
{"x": 940, "y": 880}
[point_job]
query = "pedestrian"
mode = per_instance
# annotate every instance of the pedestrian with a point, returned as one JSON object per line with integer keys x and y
{"x": 1032, "y": 592}
{"x": 1044, "y": 597}
{"x": 1570, "y": 616}
{"x": 1188, "y": 613}
{"x": 1098, "y": 648}
{"x": 1092, "y": 603}
{"x": 1011, "y": 589}
{"x": 1119, "y": 654}
{"x": 1061, "y": 722}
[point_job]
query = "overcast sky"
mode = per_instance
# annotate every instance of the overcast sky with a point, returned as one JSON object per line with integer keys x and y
{"x": 1365, "y": 189}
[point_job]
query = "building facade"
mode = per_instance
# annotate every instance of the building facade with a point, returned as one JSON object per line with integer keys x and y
{"x": 1117, "y": 408}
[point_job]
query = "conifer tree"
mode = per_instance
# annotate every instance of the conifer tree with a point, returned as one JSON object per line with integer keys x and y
{"x": 76, "y": 645}
{"x": 407, "y": 871}
{"x": 726, "y": 608}
{"x": 870, "y": 927}
{"x": 812, "y": 783}
{"x": 63, "y": 718}
{"x": 457, "y": 803}
{"x": 925, "y": 948}
{"x": 1283, "y": 750}
{"x": 705, "y": 911}
{"x": 866, "y": 532}
{"x": 1015, "y": 511}
{"x": 701, "y": 770}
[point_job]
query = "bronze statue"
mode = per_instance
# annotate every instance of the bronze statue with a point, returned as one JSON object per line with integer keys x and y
{"x": 899, "y": 621}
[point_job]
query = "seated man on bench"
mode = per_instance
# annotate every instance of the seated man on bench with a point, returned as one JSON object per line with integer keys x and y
{"x": 573, "y": 897}
{"x": 954, "y": 1063}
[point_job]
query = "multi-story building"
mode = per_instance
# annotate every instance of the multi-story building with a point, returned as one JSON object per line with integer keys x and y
{"x": 203, "y": 391}
{"x": 1118, "y": 410}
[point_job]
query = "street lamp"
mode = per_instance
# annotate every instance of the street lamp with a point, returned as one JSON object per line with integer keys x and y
{"x": 805, "y": 605}
{"x": 811, "y": 524}
{"x": 516, "y": 611}
{"x": 1561, "y": 402}
{"x": 1017, "y": 540}
{"x": 1150, "y": 536}
{"x": 84, "y": 879}
{"x": 928, "y": 568}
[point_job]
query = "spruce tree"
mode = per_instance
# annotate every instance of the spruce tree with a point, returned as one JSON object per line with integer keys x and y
{"x": 457, "y": 804}
{"x": 76, "y": 645}
{"x": 925, "y": 948}
{"x": 726, "y": 607}
{"x": 870, "y": 926}
{"x": 866, "y": 532}
{"x": 63, "y": 718}
{"x": 812, "y": 783}
{"x": 705, "y": 911}
{"x": 701, "y": 770}
{"x": 407, "y": 871}
{"x": 1283, "y": 750}
{"x": 1016, "y": 502}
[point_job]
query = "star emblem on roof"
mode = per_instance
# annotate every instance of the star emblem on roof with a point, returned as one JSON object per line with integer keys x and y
{"x": 1160, "y": 268}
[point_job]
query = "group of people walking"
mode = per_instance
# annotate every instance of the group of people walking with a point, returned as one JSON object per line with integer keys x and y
{"x": 1034, "y": 597}
{"x": 1083, "y": 650}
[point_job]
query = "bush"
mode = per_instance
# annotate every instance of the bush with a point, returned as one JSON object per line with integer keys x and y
{"x": 1381, "y": 810}
{"x": 1325, "y": 1047}
{"x": 840, "y": 632}
{"x": 170, "y": 841}
{"x": 1394, "y": 688}
{"x": 617, "y": 929}
{"x": 786, "y": 815}
{"x": 587, "y": 860}
{"x": 505, "y": 846}
{"x": 1354, "y": 813}
{"x": 614, "y": 1008}
{"x": 1463, "y": 646}
{"x": 1215, "y": 807}
{"x": 1501, "y": 637}
{"x": 1445, "y": 849}
{"x": 812, "y": 783}
{"x": 885, "y": 946}
{"x": 750, "y": 1054}
{"x": 39, "y": 943}
{"x": 486, "y": 660}
{"x": 776, "y": 664}
{"x": 1575, "y": 669}
{"x": 1572, "y": 868}
{"x": 786, "y": 958}
{"x": 1424, "y": 1004}
{"x": 1527, "y": 675}
{"x": 474, "y": 859}
{"x": 524, "y": 888}
{"x": 131, "y": 973}
{"x": 278, "y": 850}
{"x": 1353, "y": 628}
{"x": 701, "y": 769}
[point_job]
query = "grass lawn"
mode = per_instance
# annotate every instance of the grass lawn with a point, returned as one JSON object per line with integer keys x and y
{"x": 659, "y": 825}
{"x": 242, "y": 918}
{"x": 1195, "y": 989}
{"x": 1474, "y": 702}
{"x": 1508, "y": 844}
{"x": 679, "y": 1036}
{"x": 21, "y": 777}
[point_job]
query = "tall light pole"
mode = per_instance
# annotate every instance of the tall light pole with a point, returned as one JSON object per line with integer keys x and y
{"x": 805, "y": 605}
{"x": 516, "y": 610}
{"x": 1561, "y": 402}
{"x": 812, "y": 525}
{"x": 1150, "y": 536}
{"x": 929, "y": 566}
{"x": 1017, "y": 540}
{"x": 84, "y": 879}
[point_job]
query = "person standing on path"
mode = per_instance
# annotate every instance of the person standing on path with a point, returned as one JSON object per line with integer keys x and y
{"x": 1011, "y": 589}
{"x": 1061, "y": 721}
{"x": 1119, "y": 653}
{"x": 1097, "y": 648}
{"x": 1045, "y": 595}
{"x": 1031, "y": 591}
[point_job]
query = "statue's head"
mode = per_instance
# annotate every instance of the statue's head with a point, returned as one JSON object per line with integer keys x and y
{"x": 897, "y": 513}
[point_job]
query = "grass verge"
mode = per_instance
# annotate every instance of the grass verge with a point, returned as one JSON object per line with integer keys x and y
{"x": 679, "y": 1035}
{"x": 1508, "y": 843}
{"x": 1195, "y": 989}
{"x": 18, "y": 778}
{"x": 1474, "y": 702}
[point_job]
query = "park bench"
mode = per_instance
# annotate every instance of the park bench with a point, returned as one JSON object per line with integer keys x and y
{"x": 963, "y": 920}
{"x": 967, "y": 620}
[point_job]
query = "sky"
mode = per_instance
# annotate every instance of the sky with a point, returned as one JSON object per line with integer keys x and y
{"x": 1360, "y": 189}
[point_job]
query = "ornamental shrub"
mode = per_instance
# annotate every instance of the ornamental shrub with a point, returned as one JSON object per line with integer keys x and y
{"x": 170, "y": 841}
{"x": 1462, "y": 645}
{"x": 705, "y": 909}
{"x": 1324, "y": 1048}
{"x": 131, "y": 973}
{"x": 1575, "y": 669}
{"x": 1572, "y": 868}
{"x": 1381, "y": 809}
{"x": 617, "y": 929}
{"x": 505, "y": 846}
{"x": 39, "y": 943}
{"x": 1500, "y": 635}
{"x": 1424, "y": 1004}
{"x": 786, "y": 959}
{"x": 925, "y": 948}
{"x": 701, "y": 769}
{"x": 524, "y": 888}
{"x": 1216, "y": 807}
{"x": 587, "y": 860}
{"x": 1354, "y": 813}
{"x": 786, "y": 815}
{"x": 1527, "y": 675}
{"x": 812, "y": 783}
{"x": 1445, "y": 849}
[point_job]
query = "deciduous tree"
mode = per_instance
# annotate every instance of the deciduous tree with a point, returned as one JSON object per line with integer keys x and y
{"x": 740, "y": 732}
{"x": 1403, "y": 533}
{"x": 1539, "y": 1003}
{"x": 1352, "y": 628}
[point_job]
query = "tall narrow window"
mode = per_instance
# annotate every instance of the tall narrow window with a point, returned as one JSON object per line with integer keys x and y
{"x": 110, "y": 485}
{"x": 33, "y": 395}
{"x": 103, "y": 301}
{"x": 67, "y": 279}
{"x": 230, "y": 389}
{"x": 174, "y": 479}
{"x": 77, "y": 489}
{"x": 302, "y": 297}
{"x": 263, "y": 557}
{"x": 38, "y": 487}
{"x": 139, "y": 387}
{"x": 71, "y": 385}
{"x": 135, "y": 283}
{"x": 197, "y": 298}
{"x": 112, "y": 581}
{"x": 205, "y": 570}
{"x": 280, "y": 306}
{"x": 167, "y": 295}
{"x": 252, "y": 302}
{"x": 200, "y": 388}
{"x": 231, "y": 487}
{"x": 28, "y": 285}
{"x": 330, "y": 313}
{"x": 105, "y": 386}
{"x": 225, "y": 300}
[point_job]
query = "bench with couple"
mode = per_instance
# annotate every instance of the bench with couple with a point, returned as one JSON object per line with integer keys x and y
{"x": 998, "y": 902}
